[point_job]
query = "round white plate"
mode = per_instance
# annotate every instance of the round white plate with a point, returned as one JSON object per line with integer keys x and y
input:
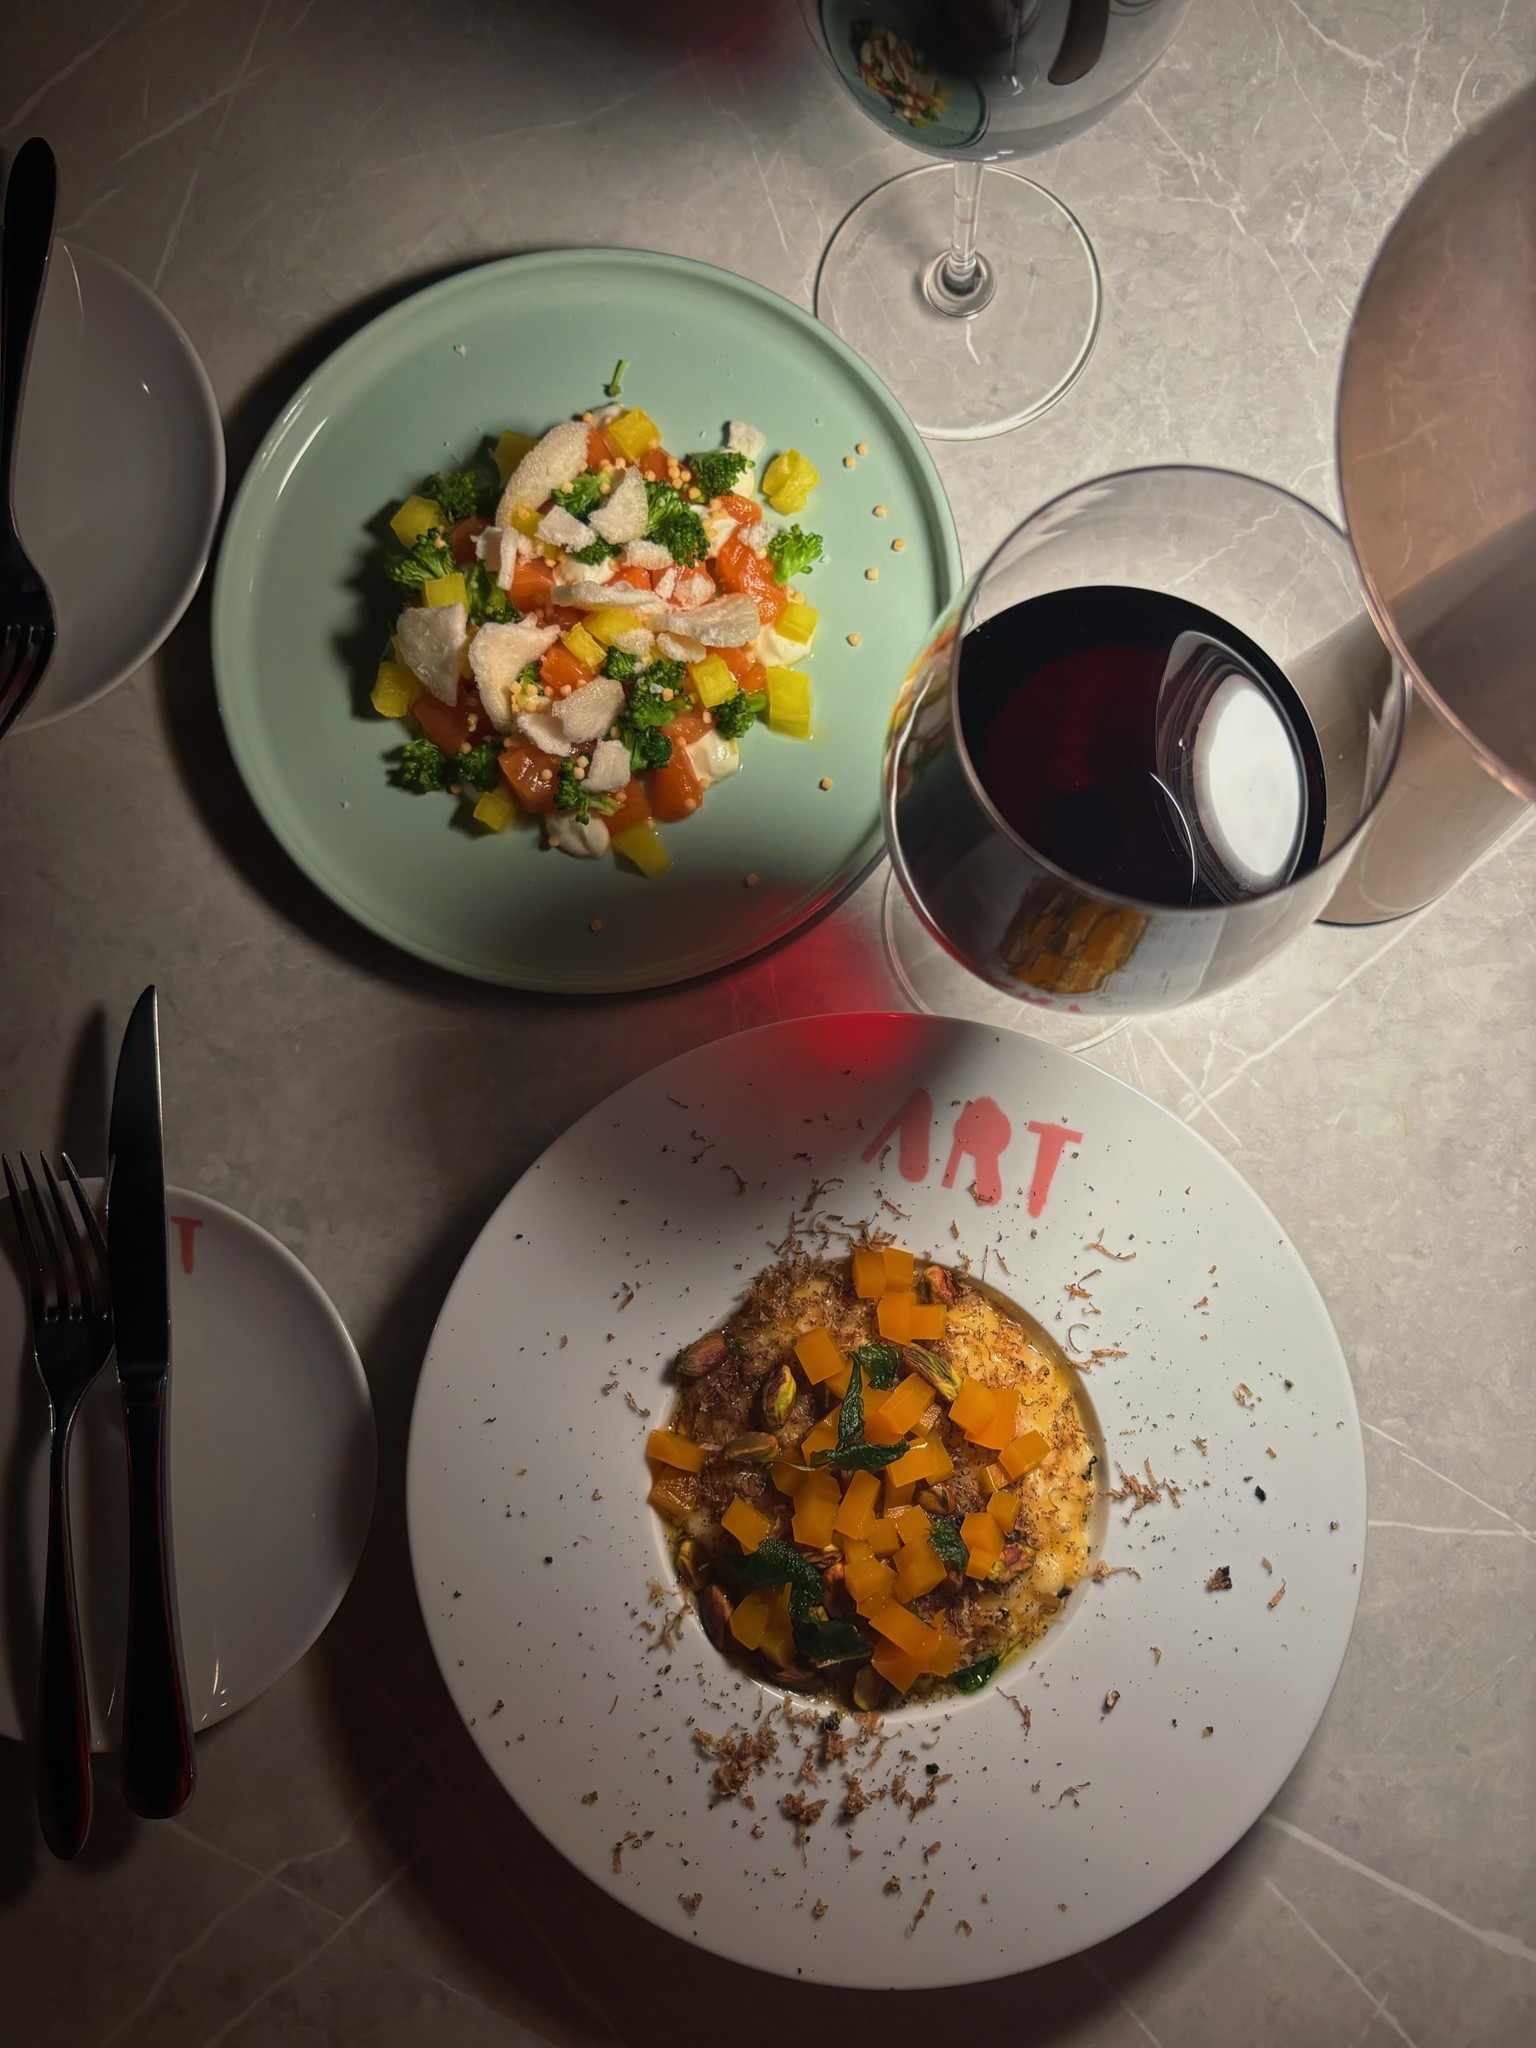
{"x": 272, "y": 1473}
{"x": 119, "y": 475}
{"x": 533, "y": 1546}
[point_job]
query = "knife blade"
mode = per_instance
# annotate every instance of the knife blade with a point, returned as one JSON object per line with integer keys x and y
{"x": 157, "y": 1761}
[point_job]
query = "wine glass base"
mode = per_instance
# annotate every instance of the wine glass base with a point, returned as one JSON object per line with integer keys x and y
{"x": 962, "y": 376}
{"x": 935, "y": 982}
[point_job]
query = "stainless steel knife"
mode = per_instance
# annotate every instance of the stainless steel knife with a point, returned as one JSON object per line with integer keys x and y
{"x": 157, "y": 1760}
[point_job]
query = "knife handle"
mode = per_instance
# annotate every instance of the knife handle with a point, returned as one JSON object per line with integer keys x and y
{"x": 63, "y": 1760}
{"x": 158, "y": 1764}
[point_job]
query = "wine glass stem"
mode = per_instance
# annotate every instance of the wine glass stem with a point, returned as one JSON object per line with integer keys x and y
{"x": 960, "y": 281}
{"x": 961, "y": 265}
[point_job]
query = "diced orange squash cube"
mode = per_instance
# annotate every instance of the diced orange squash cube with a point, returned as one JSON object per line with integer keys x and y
{"x": 910, "y": 1521}
{"x": 1024, "y": 1453}
{"x": 994, "y": 1478}
{"x": 786, "y": 1478}
{"x": 1004, "y": 1510}
{"x": 671, "y": 1496}
{"x": 858, "y": 1509}
{"x": 668, "y": 1448}
{"x": 884, "y": 1537}
{"x": 778, "y": 1643}
{"x": 821, "y": 1436}
{"x": 818, "y": 1355}
{"x": 919, "y": 1569}
{"x": 926, "y": 1320}
{"x": 896, "y": 1667}
{"x": 1002, "y": 1425}
{"x": 869, "y": 1275}
{"x": 749, "y": 1525}
{"x": 864, "y": 1575}
{"x": 972, "y": 1405}
{"x": 927, "y": 1459}
{"x": 876, "y": 1589}
{"x": 816, "y": 1506}
{"x": 837, "y": 1382}
{"x": 946, "y": 1658}
{"x": 897, "y": 1493}
{"x": 900, "y": 1268}
{"x": 749, "y": 1617}
{"x": 902, "y": 1409}
{"x": 899, "y": 1625}
{"x": 893, "y": 1316}
{"x": 856, "y": 1551}
{"x": 984, "y": 1540}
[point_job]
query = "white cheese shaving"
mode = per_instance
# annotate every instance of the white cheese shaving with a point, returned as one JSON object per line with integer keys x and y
{"x": 724, "y": 622}
{"x": 588, "y": 596}
{"x": 514, "y": 547}
{"x": 612, "y": 411}
{"x": 542, "y": 729}
{"x": 693, "y": 589}
{"x": 488, "y": 547}
{"x": 563, "y": 529}
{"x": 497, "y": 657}
{"x": 588, "y": 712}
{"x": 756, "y": 537}
{"x": 718, "y": 528}
{"x": 647, "y": 554}
{"x": 565, "y": 830}
{"x": 665, "y": 584}
{"x": 678, "y": 647}
{"x": 714, "y": 757}
{"x": 623, "y": 516}
{"x": 548, "y": 466}
{"x": 431, "y": 639}
{"x": 635, "y": 640}
{"x": 608, "y": 769}
{"x": 744, "y": 440}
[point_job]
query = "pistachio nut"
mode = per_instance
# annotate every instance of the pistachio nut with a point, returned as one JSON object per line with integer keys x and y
{"x": 944, "y": 1378}
{"x": 868, "y": 1688}
{"x": 705, "y": 1354}
{"x": 693, "y": 1565}
{"x": 754, "y": 1447}
{"x": 779, "y": 1390}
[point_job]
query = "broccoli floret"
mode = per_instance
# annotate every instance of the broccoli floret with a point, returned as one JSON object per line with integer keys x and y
{"x": 647, "y": 705}
{"x": 596, "y": 550}
{"x": 427, "y": 557}
{"x": 581, "y": 496}
{"x": 792, "y": 552}
{"x": 738, "y": 714}
{"x": 570, "y": 795}
{"x": 717, "y": 471}
{"x": 488, "y": 602}
{"x": 422, "y": 767}
{"x": 620, "y": 666}
{"x": 661, "y": 502}
{"x": 681, "y": 533}
{"x": 477, "y": 769}
{"x": 463, "y": 491}
{"x": 649, "y": 746}
{"x": 529, "y": 675}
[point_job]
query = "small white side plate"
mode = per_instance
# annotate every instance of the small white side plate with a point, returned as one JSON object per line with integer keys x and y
{"x": 272, "y": 1473}
{"x": 119, "y": 475}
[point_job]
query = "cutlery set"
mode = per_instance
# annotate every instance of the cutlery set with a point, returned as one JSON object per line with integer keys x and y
{"x": 93, "y": 1291}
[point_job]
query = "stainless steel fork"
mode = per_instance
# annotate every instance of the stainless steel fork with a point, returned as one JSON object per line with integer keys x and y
{"x": 27, "y": 625}
{"x": 66, "y": 1266}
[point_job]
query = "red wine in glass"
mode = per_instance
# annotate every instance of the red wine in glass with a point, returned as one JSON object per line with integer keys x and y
{"x": 1143, "y": 745}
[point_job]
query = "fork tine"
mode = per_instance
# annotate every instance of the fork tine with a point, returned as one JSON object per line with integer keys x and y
{"x": 68, "y": 1303}
{"x": 77, "y": 1255}
{"x": 31, "y": 1256}
{"x": 87, "y": 1211}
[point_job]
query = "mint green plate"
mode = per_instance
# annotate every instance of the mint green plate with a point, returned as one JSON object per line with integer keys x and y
{"x": 302, "y": 607}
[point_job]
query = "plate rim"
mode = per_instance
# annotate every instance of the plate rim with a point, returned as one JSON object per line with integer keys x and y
{"x": 210, "y": 418}
{"x": 809, "y": 1969}
{"x": 193, "y": 1201}
{"x": 243, "y": 512}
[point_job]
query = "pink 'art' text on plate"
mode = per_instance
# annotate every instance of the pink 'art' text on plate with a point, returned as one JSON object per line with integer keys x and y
{"x": 982, "y": 1133}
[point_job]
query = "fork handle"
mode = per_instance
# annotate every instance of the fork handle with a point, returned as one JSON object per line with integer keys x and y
{"x": 30, "y": 193}
{"x": 63, "y": 1760}
{"x": 158, "y": 1764}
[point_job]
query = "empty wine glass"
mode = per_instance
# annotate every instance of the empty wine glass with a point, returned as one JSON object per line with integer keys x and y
{"x": 1137, "y": 754}
{"x": 975, "y": 293}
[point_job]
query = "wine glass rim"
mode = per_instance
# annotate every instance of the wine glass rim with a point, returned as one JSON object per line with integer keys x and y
{"x": 1077, "y": 882}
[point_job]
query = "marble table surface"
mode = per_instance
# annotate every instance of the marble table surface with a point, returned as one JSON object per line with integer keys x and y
{"x": 348, "y": 1872}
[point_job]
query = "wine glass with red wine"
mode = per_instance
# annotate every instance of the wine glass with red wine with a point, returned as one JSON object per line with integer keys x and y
{"x": 1136, "y": 757}
{"x": 974, "y": 292}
